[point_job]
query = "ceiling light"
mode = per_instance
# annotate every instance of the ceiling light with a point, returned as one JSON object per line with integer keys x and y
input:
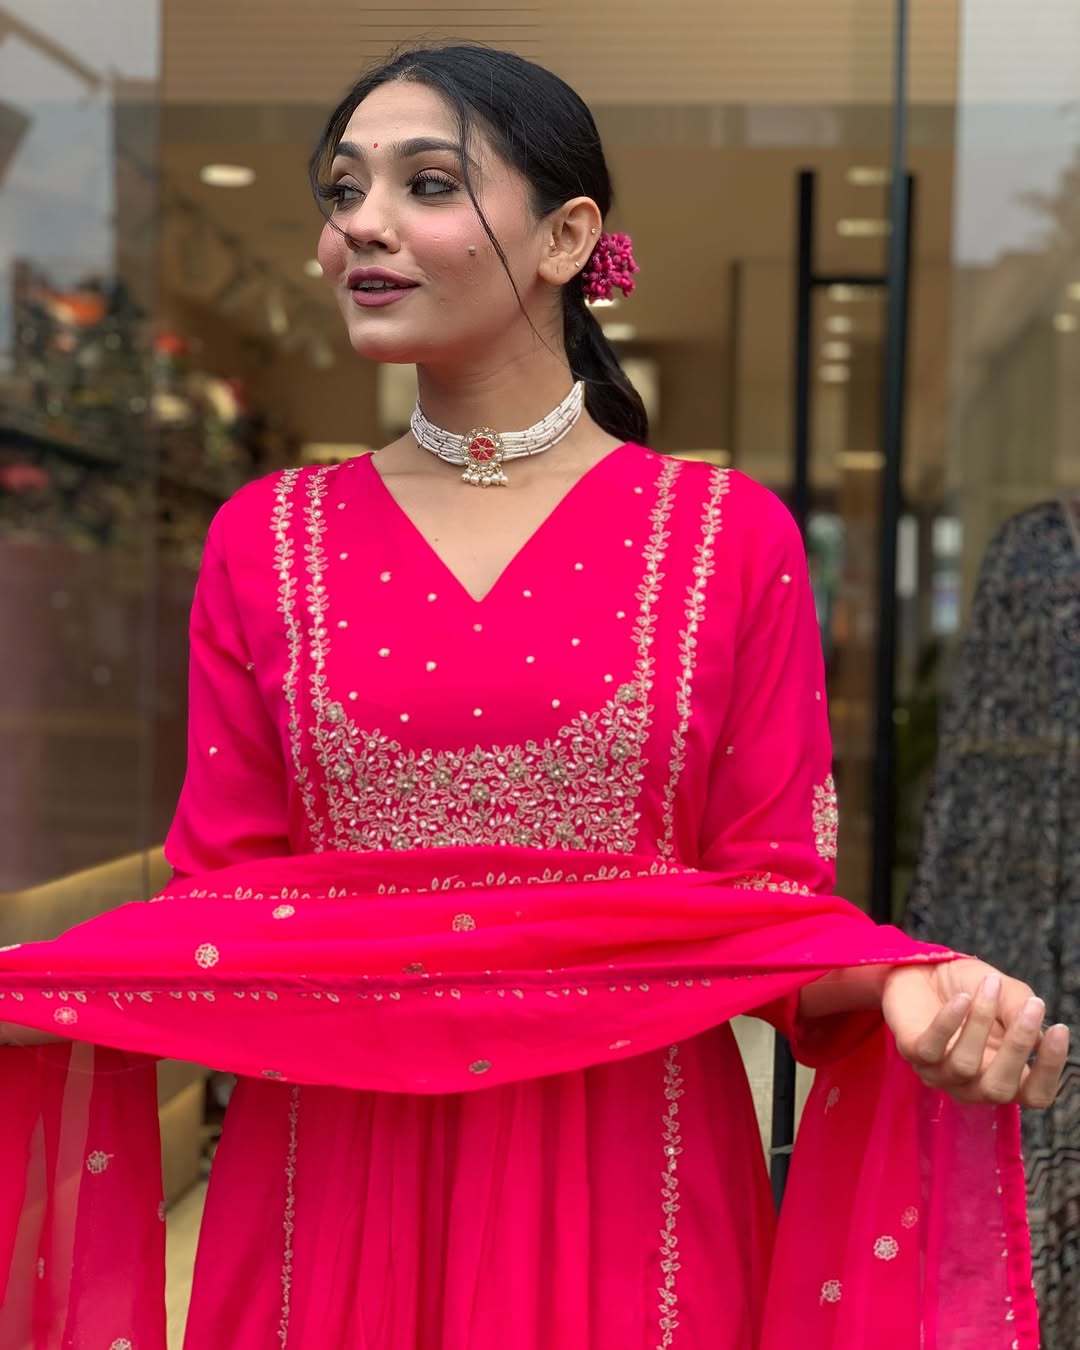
{"x": 834, "y": 374}
{"x": 836, "y": 351}
{"x": 867, "y": 461}
{"x": 313, "y": 268}
{"x": 227, "y": 175}
{"x": 847, "y": 295}
{"x": 619, "y": 332}
{"x": 862, "y": 227}
{"x": 868, "y": 175}
{"x": 1066, "y": 323}
{"x": 839, "y": 323}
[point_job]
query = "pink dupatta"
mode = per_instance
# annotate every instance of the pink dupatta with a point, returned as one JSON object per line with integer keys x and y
{"x": 453, "y": 970}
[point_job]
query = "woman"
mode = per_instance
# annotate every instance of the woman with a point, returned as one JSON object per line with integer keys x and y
{"x": 536, "y": 783}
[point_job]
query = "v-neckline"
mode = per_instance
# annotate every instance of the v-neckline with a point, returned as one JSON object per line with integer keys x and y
{"x": 411, "y": 527}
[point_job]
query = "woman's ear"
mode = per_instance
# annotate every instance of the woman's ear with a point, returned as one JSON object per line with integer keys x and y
{"x": 571, "y": 235}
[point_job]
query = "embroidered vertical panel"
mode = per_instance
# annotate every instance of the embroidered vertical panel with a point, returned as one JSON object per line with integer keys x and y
{"x": 668, "y": 1322}
{"x": 704, "y": 566}
{"x": 288, "y": 1222}
{"x": 285, "y": 562}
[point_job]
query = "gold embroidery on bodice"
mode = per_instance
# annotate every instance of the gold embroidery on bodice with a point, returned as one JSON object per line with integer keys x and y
{"x": 576, "y": 790}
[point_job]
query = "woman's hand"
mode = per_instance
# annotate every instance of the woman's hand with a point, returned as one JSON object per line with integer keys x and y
{"x": 972, "y": 1031}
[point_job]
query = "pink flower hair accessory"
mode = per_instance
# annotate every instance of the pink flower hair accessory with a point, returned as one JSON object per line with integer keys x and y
{"x": 612, "y": 264}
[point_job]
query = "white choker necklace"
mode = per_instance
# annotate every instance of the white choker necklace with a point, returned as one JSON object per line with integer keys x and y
{"x": 483, "y": 451}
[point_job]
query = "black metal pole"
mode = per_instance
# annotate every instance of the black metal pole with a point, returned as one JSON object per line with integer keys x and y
{"x": 782, "y": 1125}
{"x": 804, "y": 288}
{"x": 901, "y": 198}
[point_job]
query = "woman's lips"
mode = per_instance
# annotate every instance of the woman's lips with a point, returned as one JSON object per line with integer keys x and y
{"x": 376, "y": 299}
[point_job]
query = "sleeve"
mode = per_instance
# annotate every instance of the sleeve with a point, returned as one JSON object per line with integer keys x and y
{"x": 234, "y": 803}
{"x": 771, "y": 820}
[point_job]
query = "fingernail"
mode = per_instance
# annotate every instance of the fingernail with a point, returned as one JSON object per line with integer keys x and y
{"x": 1032, "y": 1013}
{"x": 991, "y": 986}
{"x": 959, "y": 1004}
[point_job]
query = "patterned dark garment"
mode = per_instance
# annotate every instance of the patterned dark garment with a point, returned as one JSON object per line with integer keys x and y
{"x": 999, "y": 872}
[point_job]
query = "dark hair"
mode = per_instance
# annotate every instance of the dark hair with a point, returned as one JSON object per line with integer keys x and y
{"x": 543, "y": 129}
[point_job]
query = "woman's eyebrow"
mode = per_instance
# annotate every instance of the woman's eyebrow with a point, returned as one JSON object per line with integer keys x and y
{"x": 416, "y": 145}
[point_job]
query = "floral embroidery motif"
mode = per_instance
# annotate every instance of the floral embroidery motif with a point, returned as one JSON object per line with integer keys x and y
{"x": 886, "y": 1248}
{"x": 832, "y": 1099}
{"x": 764, "y": 881}
{"x": 284, "y": 911}
{"x": 910, "y": 1217}
{"x": 831, "y": 1291}
{"x": 704, "y": 566}
{"x": 669, "y": 1240}
{"x": 98, "y": 1162}
{"x": 207, "y": 955}
{"x": 479, "y": 1066}
{"x": 288, "y": 1222}
{"x": 66, "y": 1016}
{"x": 122, "y": 1343}
{"x": 826, "y": 819}
{"x": 577, "y": 790}
{"x": 463, "y": 923}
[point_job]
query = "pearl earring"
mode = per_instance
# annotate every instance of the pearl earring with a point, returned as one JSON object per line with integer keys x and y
{"x": 472, "y": 250}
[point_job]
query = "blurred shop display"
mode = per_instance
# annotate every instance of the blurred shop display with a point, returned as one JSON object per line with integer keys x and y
{"x": 95, "y": 409}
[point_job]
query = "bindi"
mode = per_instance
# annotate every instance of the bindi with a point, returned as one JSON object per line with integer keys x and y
{"x": 375, "y": 146}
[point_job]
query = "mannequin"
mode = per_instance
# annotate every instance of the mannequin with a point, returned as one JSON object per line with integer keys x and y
{"x": 999, "y": 870}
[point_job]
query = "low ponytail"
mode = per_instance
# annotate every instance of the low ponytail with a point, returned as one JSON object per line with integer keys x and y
{"x": 610, "y": 399}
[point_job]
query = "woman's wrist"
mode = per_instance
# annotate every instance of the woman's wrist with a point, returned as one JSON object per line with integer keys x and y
{"x": 852, "y": 989}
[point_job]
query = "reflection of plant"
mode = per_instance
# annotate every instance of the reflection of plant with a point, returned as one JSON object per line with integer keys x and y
{"x": 916, "y": 749}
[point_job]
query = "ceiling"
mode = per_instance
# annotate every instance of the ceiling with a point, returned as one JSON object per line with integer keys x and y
{"x": 683, "y": 51}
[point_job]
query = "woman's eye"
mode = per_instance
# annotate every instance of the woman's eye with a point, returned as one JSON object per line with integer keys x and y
{"x": 432, "y": 185}
{"x": 340, "y": 194}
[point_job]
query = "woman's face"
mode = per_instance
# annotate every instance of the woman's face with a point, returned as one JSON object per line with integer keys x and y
{"x": 399, "y": 214}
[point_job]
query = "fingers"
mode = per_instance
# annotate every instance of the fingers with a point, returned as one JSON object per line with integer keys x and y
{"x": 1040, "y": 1086}
{"x": 951, "y": 1050}
{"x": 1007, "y": 1074}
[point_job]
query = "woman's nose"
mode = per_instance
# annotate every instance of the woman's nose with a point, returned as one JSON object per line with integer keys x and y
{"x": 370, "y": 226}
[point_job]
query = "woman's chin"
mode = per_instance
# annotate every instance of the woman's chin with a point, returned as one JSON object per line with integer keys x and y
{"x": 396, "y": 349}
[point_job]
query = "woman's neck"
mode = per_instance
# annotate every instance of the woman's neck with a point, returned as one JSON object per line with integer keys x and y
{"x": 509, "y": 395}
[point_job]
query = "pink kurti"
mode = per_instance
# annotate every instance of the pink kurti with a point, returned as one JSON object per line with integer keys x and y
{"x": 645, "y": 677}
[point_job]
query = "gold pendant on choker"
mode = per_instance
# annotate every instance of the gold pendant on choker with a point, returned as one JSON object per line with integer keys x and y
{"x": 483, "y": 449}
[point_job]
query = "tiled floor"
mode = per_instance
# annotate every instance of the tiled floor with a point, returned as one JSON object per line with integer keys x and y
{"x": 755, "y": 1041}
